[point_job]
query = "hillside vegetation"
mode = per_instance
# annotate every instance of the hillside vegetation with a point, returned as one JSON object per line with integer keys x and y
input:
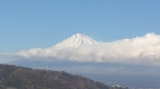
{"x": 13, "y": 77}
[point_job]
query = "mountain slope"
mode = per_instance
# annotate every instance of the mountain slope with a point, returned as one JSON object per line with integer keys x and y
{"x": 12, "y": 77}
{"x": 76, "y": 40}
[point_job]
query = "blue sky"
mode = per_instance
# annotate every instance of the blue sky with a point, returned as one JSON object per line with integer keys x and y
{"x": 27, "y": 24}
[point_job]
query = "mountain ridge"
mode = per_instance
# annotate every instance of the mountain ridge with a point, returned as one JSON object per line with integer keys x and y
{"x": 17, "y": 77}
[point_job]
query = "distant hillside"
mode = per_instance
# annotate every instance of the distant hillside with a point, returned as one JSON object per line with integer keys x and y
{"x": 13, "y": 77}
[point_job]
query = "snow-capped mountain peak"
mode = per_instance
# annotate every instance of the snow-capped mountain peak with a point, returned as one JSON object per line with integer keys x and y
{"x": 76, "y": 40}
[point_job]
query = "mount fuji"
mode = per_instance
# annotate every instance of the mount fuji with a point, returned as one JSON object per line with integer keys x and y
{"x": 75, "y": 41}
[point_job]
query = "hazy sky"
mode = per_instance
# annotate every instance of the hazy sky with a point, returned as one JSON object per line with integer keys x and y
{"x": 27, "y": 24}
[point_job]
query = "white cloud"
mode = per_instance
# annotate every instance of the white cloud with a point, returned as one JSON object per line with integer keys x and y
{"x": 138, "y": 50}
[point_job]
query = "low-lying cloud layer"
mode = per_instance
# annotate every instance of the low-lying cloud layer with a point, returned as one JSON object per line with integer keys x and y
{"x": 138, "y": 50}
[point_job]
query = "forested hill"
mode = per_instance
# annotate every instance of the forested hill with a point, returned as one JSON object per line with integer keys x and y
{"x": 13, "y": 77}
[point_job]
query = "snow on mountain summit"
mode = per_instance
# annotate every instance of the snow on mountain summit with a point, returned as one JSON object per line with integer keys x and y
{"x": 76, "y": 40}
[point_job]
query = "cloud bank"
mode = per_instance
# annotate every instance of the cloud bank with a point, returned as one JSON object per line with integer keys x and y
{"x": 138, "y": 50}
